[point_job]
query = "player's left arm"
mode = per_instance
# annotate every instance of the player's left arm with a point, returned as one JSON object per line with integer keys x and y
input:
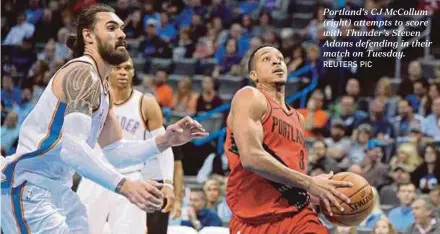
{"x": 152, "y": 113}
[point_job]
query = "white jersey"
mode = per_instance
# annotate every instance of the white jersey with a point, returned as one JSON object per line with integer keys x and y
{"x": 134, "y": 127}
{"x": 38, "y": 159}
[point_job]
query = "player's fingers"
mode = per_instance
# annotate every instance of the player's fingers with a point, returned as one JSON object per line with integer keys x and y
{"x": 150, "y": 199}
{"x": 168, "y": 207}
{"x": 340, "y": 195}
{"x": 335, "y": 201}
{"x": 185, "y": 122}
{"x": 341, "y": 184}
{"x": 327, "y": 206}
{"x": 154, "y": 190}
{"x": 199, "y": 134}
{"x": 196, "y": 124}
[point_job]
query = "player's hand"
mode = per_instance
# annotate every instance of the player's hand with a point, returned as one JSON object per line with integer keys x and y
{"x": 325, "y": 189}
{"x": 183, "y": 131}
{"x": 144, "y": 194}
{"x": 169, "y": 195}
{"x": 177, "y": 210}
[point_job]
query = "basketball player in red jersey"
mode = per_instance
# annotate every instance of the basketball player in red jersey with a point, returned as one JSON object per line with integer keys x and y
{"x": 268, "y": 189}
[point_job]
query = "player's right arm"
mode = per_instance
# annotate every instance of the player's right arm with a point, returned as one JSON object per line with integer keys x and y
{"x": 248, "y": 108}
{"x": 81, "y": 90}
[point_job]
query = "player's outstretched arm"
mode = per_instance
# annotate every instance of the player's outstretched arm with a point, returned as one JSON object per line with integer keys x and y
{"x": 123, "y": 153}
{"x": 81, "y": 89}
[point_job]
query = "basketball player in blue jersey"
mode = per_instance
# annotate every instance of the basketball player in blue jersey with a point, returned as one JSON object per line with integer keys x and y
{"x": 140, "y": 118}
{"x": 62, "y": 134}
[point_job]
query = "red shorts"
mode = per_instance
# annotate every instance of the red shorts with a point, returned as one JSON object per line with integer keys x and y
{"x": 304, "y": 222}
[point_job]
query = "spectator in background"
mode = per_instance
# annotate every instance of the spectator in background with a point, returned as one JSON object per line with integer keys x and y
{"x": 427, "y": 175}
{"x": 199, "y": 215}
{"x": 350, "y": 117}
{"x": 38, "y": 86}
{"x": 384, "y": 91}
{"x": 415, "y": 73}
{"x": 406, "y": 119}
{"x": 375, "y": 215}
{"x": 318, "y": 158}
{"x": 247, "y": 25}
{"x": 10, "y": 131}
{"x": 197, "y": 28}
{"x": 388, "y": 193}
{"x": 359, "y": 145}
{"x": 37, "y": 72}
{"x": 338, "y": 145}
{"x": 401, "y": 217}
{"x": 164, "y": 92}
{"x": 255, "y": 42}
{"x": 24, "y": 56}
{"x": 208, "y": 99}
{"x": 205, "y": 46}
{"x": 61, "y": 50}
{"x": 384, "y": 226}
{"x": 122, "y": 9}
{"x": 221, "y": 34}
{"x": 20, "y": 31}
{"x": 47, "y": 55}
{"x": 10, "y": 94}
{"x": 382, "y": 128}
{"x": 216, "y": 200}
{"x": 433, "y": 93}
{"x": 154, "y": 46}
{"x": 271, "y": 38}
{"x": 134, "y": 27}
{"x": 373, "y": 170}
{"x": 220, "y": 10}
{"x": 435, "y": 198}
{"x": 353, "y": 89}
{"x": 296, "y": 59}
{"x": 26, "y": 105}
{"x": 185, "y": 47}
{"x": 235, "y": 32}
{"x": 431, "y": 126}
{"x": 213, "y": 194}
{"x": 166, "y": 30}
{"x": 315, "y": 117}
{"x": 185, "y": 99}
{"x": 406, "y": 155}
{"x": 149, "y": 13}
{"x": 147, "y": 85}
{"x": 43, "y": 33}
{"x": 426, "y": 221}
{"x": 230, "y": 62}
{"x": 419, "y": 92}
{"x": 264, "y": 24}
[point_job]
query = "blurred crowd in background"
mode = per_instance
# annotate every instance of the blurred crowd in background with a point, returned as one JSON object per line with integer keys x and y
{"x": 192, "y": 55}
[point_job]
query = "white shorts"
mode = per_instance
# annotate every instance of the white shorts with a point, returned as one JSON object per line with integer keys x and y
{"x": 104, "y": 206}
{"x": 29, "y": 208}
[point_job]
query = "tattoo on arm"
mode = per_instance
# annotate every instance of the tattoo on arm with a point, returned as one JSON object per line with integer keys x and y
{"x": 81, "y": 89}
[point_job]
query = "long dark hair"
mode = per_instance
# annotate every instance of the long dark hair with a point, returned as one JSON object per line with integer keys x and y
{"x": 86, "y": 20}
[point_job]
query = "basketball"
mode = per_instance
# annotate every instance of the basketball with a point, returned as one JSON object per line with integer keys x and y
{"x": 362, "y": 200}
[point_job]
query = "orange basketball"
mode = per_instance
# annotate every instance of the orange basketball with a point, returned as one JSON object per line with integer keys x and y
{"x": 362, "y": 200}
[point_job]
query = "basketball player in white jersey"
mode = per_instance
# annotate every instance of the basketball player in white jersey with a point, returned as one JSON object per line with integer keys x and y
{"x": 62, "y": 132}
{"x": 140, "y": 118}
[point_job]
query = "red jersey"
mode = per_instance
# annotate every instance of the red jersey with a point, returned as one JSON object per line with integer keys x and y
{"x": 253, "y": 197}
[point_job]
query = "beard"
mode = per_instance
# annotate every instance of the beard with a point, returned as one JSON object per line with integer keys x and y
{"x": 112, "y": 55}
